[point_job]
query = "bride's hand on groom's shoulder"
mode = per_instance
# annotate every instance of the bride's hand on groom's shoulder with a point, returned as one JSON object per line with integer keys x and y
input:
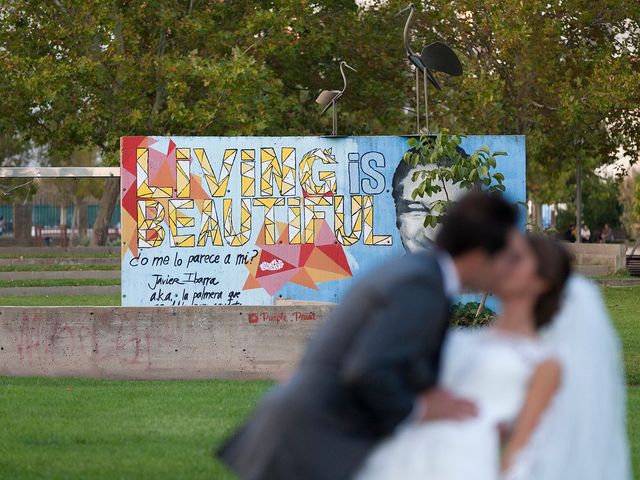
{"x": 440, "y": 404}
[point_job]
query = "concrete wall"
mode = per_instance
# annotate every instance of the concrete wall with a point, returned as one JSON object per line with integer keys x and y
{"x": 156, "y": 343}
{"x": 610, "y": 257}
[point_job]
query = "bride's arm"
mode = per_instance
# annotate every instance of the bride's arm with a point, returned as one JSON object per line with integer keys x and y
{"x": 543, "y": 385}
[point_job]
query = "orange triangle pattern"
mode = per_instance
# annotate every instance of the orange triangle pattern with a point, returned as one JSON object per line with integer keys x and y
{"x": 305, "y": 265}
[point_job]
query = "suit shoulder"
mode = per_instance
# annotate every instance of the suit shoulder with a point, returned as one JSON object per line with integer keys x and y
{"x": 416, "y": 264}
{"x": 404, "y": 269}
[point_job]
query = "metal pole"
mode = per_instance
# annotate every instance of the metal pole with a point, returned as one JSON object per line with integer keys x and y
{"x": 334, "y": 109}
{"x": 578, "y": 199}
{"x": 417, "y": 100}
{"x": 426, "y": 101}
{"x": 58, "y": 172}
{"x": 482, "y": 304}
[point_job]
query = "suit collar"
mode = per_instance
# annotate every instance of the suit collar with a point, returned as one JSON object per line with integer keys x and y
{"x": 450, "y": 277}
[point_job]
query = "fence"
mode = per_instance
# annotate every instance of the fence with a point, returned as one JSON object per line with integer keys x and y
{"x": 47, "y": 218}
{"x": 53, "y": 217}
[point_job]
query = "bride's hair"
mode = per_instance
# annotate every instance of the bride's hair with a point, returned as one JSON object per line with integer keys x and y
{"x": 554, "y": 267}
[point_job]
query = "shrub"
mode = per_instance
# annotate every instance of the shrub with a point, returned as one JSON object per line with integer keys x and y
{"x": 464, "y": 315}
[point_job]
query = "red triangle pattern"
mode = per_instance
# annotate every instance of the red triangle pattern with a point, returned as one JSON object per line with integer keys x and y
{"x": 269, "y": 264}
{"x": 306, "y": 264}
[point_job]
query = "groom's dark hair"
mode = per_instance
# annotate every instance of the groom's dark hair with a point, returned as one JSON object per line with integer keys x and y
{"x": 477, "y": 220}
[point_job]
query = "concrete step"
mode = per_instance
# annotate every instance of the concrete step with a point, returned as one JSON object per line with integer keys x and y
{"x": 65, "y": 274}
{"x": 60, "y": 291}
{"x": 597, "y": 248}
{"x": 595, "y": 259}
{"x": 593, "y": 270}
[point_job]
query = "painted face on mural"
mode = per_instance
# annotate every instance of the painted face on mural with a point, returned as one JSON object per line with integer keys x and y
{"x": 410, "y": 213}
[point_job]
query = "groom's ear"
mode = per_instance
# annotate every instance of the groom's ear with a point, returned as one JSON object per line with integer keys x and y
{"x": 471, "y": 266}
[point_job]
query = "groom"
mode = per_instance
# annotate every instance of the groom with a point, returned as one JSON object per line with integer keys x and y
{"x": 374, "y": 364}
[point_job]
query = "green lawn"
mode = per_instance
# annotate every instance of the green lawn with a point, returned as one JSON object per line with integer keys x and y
{"x": 60, "y": 300}
{"x": 624, "y": 305}
{"x": 59, "y": 282}
{"x": 89, "y": 429}
{"x": 634, "y": 427}
{"x": 59, "y": 267}
{"x": 85, "y": 429}
{"x": 67, "y": 254}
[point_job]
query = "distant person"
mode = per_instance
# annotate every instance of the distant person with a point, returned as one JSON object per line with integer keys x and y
{"x": 1, "y": 224}
{"x": 570, "y": 234}
{"x": 607, "y": 234}
{"x": 585, "y": 233}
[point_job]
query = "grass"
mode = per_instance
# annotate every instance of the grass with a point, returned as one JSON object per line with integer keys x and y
{"x": 60, "y": 300}
{"x": 59, "y": 267}
{"x": 634, "y": 427}
{"x": 59, "y": 282}
{"x": 81, "y": 429}
{"x": 613, "y": 276}
{"x": 105, "y": 429}
{"x": 68, "y": 254}
{"x": 624, "y": 306}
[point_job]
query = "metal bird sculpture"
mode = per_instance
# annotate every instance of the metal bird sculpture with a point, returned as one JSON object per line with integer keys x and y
{"x": 436, "y": 57}
{"x": 328, "y": 98}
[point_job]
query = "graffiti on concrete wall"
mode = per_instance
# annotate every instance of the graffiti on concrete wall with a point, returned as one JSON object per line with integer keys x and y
{"x": 247, "y": 220}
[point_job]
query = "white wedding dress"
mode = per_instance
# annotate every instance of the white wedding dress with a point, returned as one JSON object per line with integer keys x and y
{"x": 581, "y": 436}
{"x": 491, "y": 368}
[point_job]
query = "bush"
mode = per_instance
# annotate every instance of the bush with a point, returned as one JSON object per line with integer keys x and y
{"x": 464, "y": 315}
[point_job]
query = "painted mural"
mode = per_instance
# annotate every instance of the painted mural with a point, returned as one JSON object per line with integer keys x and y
{"x": 249, "y": 220}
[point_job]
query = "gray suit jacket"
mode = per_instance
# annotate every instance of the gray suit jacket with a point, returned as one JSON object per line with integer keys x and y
{"x": 356, "y": 383}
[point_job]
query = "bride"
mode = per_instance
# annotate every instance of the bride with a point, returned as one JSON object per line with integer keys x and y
{"x": 506, "y": 370}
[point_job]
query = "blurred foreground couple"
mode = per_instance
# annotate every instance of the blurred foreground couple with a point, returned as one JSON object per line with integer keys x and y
{"x": 386, "y": 391}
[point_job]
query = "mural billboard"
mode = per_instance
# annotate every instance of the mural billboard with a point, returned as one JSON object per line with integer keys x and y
{"x": 250, "y": 220}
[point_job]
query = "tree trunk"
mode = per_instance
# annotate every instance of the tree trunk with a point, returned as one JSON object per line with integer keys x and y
{"x": 79, "y": 222}
{"x": 83, "y": 219}
{"x": 536, "y": 216}
{"x": 105, "y": 210}
{"x": 22, "y": 222}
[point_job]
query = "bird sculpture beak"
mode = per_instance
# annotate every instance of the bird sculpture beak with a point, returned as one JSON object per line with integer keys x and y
{"x": 350, "y": 67}
{"x": 405, "y": 9}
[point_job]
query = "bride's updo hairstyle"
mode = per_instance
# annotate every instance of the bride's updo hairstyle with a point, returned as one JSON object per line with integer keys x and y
{"x": 554, "y": 267}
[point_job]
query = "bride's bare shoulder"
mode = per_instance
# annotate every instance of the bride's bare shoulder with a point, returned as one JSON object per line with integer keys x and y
{"x": 548, "y": 373}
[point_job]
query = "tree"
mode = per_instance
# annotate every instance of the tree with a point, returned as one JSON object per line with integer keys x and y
{"x": 601, "y": 204}
{"x": 630, "y": 203}
{"x": 80, "y": 74}
{"x": 443, "y": 166}
{"x": 564, "y": 73}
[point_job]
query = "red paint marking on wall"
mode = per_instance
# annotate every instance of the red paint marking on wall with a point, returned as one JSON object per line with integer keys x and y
{"x": 277, "y": 317}
{"x": 281, "y": 317}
